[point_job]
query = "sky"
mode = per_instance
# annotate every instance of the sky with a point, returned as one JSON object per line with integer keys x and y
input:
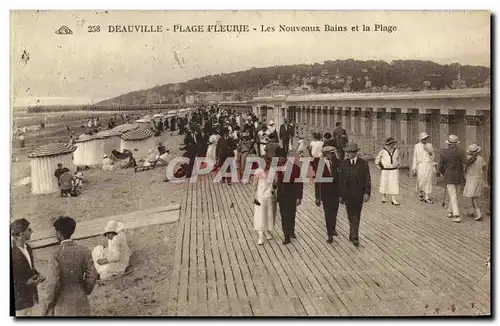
{"x": 83, "y": 67}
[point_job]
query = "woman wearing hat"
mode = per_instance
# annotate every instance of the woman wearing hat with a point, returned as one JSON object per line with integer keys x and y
{"x": 423, "y": 168}
{"x": 474, "y": 180}
{"x": 212, "y": 146}
{"x": 114, "y": 259}
{"x": 244, "y": 146}
{"x": 388, "y": 161}
{"x": 265, "y": 204}
{"x": 107, "y": 163}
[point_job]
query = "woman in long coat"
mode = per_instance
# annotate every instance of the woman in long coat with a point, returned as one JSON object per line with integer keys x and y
{"x": 388, "y": 161}
{"x": 264, "y": 202}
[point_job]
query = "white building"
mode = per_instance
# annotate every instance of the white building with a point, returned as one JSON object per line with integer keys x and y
{"x": 44, "y": 162}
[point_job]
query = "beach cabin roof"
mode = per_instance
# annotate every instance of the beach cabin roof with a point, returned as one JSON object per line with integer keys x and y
{"x": 137, "y": 134}
{"x": 84, "y": 138}
{"x": 143, "y": 120}
{"x": 53, "y": 149}
{"x": 108, "y": 133}
{"x": 126, "y": 127}
{"x": 158, "y": 115}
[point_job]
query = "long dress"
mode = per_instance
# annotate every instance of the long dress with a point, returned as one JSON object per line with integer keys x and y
{"x": 388, "y": 162}
{"x": 423, "y": 163}
{"x": 211, "y": 150}
{"x": 117, "y": 253}
{"x": 264, "y": 215}
{"x": 474, "y": 180}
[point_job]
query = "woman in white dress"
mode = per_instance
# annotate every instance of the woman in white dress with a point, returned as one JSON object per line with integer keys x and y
{"x": 388, "y": 161}
{"x": 474, "y": 179}
{"x": 264, "y": 202}
{"x": 114, "y": 259}
{"x": 212, "y": 146}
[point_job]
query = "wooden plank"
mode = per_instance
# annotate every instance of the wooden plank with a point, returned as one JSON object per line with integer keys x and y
{"x": 95, "y": 227}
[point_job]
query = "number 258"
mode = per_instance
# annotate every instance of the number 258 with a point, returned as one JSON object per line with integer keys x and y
{"x": 94, "y": 29}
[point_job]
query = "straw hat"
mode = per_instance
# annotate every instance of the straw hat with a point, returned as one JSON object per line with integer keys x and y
{"x": 271, "y": 123}
{"x": 473, "y": 149}
{"x": 113, "y": 226}
{"x": 104, "y": 156}
{"x": 452, "y": 140}
{"x": 327, "y": 149}
{"x": 390, "y": 140}
{"x": 423, "y": 135}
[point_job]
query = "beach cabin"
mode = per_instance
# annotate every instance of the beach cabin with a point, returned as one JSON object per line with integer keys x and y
{"x": 112, "y": 140}
{"x": 89, "y": 150}
{"x": 44, "y": 162}
{"x": 138, "y": 141}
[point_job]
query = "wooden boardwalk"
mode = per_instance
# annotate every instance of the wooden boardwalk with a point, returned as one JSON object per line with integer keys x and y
{"x": 412, "y": 260}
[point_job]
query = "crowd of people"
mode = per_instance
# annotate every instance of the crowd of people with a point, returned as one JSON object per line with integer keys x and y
{"x": 340, "y": 176}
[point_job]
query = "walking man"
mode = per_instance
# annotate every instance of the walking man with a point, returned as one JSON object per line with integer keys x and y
{"x": 327, "y": 192}
{"x": 289, "y": 194}
{"x": 423, "y": 167}
{"x": 340, "y": 139}
{"x": 25, "y": 276}
{"x": 451, "y": 165}
{"x": 355, "y": 188}
{"x": 286, "y": 132}
{"x": 72, "y": 275}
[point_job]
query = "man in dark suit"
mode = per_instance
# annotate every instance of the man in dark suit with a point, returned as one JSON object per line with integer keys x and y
{"x": 355, "y": 188}
{"x": 289, "y": 194}
{"x": 451, "y": 165}
{"x": 225, "y": 151}
{"x": 72, "y": 275}
{"x": 286, "y": 133}
{"x": 340, "y": 140}
{"x": 25, "y": 276}
{"x": 327, "y": 191}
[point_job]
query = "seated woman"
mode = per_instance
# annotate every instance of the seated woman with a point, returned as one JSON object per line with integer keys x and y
{"x": 113, "y": 260}
{"x": 107, "y": 163}
{"x": 151, "y": 158}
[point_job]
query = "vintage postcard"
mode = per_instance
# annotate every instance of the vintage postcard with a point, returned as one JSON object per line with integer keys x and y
{"x": 250, "y": 163}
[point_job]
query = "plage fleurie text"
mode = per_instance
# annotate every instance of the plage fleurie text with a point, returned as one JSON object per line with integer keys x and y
{"x": 221, "y": 28}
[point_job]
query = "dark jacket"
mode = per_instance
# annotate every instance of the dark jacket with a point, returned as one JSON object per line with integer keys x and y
{"x": 451, "y": 165}
{"x": 290, "y": 190}
{"x": 58, "y": 173}
{"x": 339, "y": 136}
{"x": 225, "y": 148}
{"x": 71, "y": 279}
{"x": 24, "y": 296}
{"x": 286, "y": 131}
{"x": 354, "y": 180}
{"x": 329, "y": 190}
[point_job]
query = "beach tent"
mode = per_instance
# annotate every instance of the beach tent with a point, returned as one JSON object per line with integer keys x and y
{"x": 112, "y": 140}
{"x": 89, "y": 150}
{"x": 145, "y": 123}
{"x": 158, "y": 116}
{"x": 125, "y": 127}
{"x": 44, "y": 162}
{"x": 138, "y": 141}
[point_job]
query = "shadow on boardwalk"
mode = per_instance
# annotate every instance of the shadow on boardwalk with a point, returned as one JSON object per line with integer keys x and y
{"x": 412, "y": 259}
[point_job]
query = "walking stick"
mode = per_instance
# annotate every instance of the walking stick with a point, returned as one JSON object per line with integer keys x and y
{"x": 444, "y": 195}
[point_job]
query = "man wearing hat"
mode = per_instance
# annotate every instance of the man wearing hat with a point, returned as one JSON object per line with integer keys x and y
{"x": 245, "y": 145}
{"x": 25, "y": 276}
{"x": 286, "y": 133}
{"x": 72, "y": 275}
{"x": 327, "y": 190}
{"x": 355, "y": 188}
{"x": 451, "y": 165}
{"x": 271, "y": 132}
{"x": 339, "y": 135}
{"x": 423, "y": 167}
{"x": 288, "y": 193}
{"x": 225, "y": 151}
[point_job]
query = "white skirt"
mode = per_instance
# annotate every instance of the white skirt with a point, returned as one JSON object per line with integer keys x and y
{"x": 474, "y": 187}
{"x": 389, "y": 182}
{"x": 264, "y": 215}
{"x": 425, "y": 173}
{"x": 211, "y": 152}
